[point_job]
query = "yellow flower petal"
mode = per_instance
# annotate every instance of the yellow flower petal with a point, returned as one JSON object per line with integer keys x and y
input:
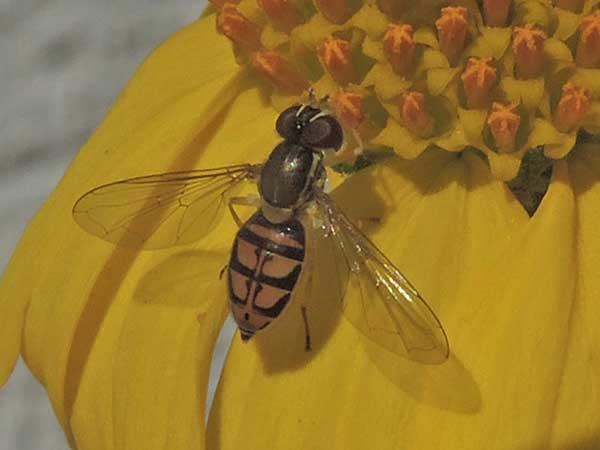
{"x": 426, "y": 36}
{"x": 348, "y": 394}
{"x": 589, "y": 79}
{"x": 439, "y": 79}
{"x": 532, "y": 11}
{"x": 556, "y": 144}
{"x": 504, "y": 166}
{"x": 493, "y": 43}
{"x": 370, "y": 19}
{"x": 591, "y": 121}
{"x": 163, "y": 121}
{"x": 149, "y": 319}
{"x": 405, "y": 143}
{"x": 575, "y": 422}
{"x": 567, "y": 23}
{"x": 527, "y": 92}
{"x": 373, "y": 49}
{"x": 387, "y": 84}
{"x": 557, "y": 50}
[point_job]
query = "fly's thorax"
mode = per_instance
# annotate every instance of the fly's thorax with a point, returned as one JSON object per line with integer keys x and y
{"x": 288, "y": 175}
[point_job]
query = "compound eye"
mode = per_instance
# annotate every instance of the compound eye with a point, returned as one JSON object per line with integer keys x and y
{"x": 324, "y": 132}
{"x": 287, "y": 121}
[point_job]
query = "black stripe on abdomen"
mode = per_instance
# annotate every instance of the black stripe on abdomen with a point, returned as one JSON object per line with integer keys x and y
{"x": 247, "y": 235}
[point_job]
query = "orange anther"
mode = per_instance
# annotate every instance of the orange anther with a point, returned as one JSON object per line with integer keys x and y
{"x": 281, "y": 13}
{"x": 348, "y": 108}
{"x": 336, "y": 57}
{"x": 336, "y": 11}
{"x": 399, "y": 47}
{"x": 528, "y": 48}
{"x": 588, "y": 47}
{"x": 495, "y": 12}
{"x": 279, "y": 72}
{"x": 574, "y": 103}
{"x": 238, "y": 28}
{"x": 415, "y": 115}
{"x": 478, "y": 80}
{"x": 503, "y": 122}
{"x": 452, "y": 31}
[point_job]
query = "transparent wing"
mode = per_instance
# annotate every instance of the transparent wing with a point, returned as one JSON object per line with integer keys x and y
{"x": 375, "y": 297}
{"x": 164, "y": 210}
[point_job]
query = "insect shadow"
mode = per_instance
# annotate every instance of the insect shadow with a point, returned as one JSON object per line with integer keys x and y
{"x": 305, "y": 327}
{"x": 448, "y": 386}
{"x": 187, "y": 279}
{"x": 591, "y": 442}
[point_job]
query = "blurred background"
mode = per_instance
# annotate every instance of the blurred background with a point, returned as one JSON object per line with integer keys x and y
{"x": 63, "y": 64}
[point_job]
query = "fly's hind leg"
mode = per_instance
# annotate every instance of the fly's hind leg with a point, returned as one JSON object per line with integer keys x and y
{"x": 307, "y": 343}
{"x": 365, "y": 222}
{"x": 222, "y": 271}
{"x": 247, "y": 200}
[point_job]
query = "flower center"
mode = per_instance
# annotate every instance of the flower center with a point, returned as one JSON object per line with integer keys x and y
{"x": 513, "y": 81}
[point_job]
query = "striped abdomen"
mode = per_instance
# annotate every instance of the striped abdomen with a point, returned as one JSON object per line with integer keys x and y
{"x": 264, "y": 267}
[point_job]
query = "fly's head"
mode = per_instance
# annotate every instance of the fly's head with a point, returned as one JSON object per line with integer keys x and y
{"x": 310, "y": 126}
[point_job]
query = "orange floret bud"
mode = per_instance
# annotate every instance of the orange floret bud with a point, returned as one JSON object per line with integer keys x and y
{"x": 452, "y": 31}
{"x": 279, "y": 71}
{"x": 570, "y": 5}
{"x": 399, "y": 48}
{"x": 391, "y": 8}
{"x": 336, "y": 11}
{"x": 416, "y": 118}
{"x": 588, "y": 47}
{"x": 528, "y": 48}
{"x": 574, "y": 103}
{"x": 503, "y": 122}
{"x": 478, "y": 80}
{"x": 348, "y": 108}
{"x": 336, "y": 57}
{"x": 495, "y": 12}
{"x": 238, "y": 28}
{"x": 281, "y": 13}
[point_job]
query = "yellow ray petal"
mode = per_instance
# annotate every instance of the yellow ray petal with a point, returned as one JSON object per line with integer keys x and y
{"x": 501, "y": 292}
{"x": 145, "y": 382}
{"x": 164, "y": 120}
{"x": 576, "y": 422}
{"x": 126, "y": 342}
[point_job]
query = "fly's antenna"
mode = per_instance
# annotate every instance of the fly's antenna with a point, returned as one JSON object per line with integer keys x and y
{"x": 319, "y": 103}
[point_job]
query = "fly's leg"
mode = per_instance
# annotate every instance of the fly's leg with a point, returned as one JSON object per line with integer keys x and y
{"x": 365, "y": 222}
{"x": 307, "y": 342}
{"x": 248, "y": 200}
{"x": 360, "y": 146}
{"x": 222, "y": 271}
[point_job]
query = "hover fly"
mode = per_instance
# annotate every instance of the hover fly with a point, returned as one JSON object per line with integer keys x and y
{"x": 269, "y": 254}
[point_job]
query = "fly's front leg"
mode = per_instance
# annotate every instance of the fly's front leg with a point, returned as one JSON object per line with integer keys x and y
{"x": 248, "y": 200}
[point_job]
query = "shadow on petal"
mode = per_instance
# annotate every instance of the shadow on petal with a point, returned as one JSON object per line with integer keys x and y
{"x": 588, "y": 443}
{"x": 283, "y": 346}
{"x": 181, "y": 280}
{"x": 448, "y": 386}
{"x": 116, "y": 268}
